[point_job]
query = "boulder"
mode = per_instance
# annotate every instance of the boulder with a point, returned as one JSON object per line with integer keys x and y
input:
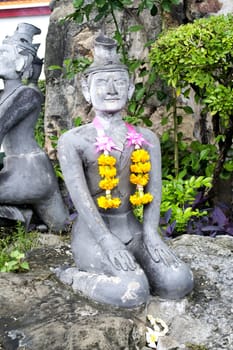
{"x": 38, "y": 312}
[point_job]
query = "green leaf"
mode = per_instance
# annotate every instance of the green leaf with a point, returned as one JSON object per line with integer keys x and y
{"x": 147, "y": 121}
{"x": 140, "y": 93}
{"x": 55, "y": 67}
{"x": 187, "y": 109}
{"x": 79, "y": 18}
{"x": 77, "y": 121}
{"x": 17, "y": 254}
{"x": 78, "y": 3}
{"x": 135, "y": 28}
{"x": 100, "y": 3}
{"x": 132, "y": 107}
{"x": 164, "y": 120}
{"x": 24, "y": 265}
{"x": 204, "y": 154}
{"x": 99, "y": 16}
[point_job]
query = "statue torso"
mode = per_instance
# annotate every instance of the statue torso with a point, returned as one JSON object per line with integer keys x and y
{"x": 85, "y": 144}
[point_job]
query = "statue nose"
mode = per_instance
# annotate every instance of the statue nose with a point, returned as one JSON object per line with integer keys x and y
{"x": 111, "y": 87}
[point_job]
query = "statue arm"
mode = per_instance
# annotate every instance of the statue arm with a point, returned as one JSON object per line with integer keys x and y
{"x": 72, "y": 168}
{"x": 16, "y": 108}
{"x": 152, "y": 210}
{"x": 153, "y": 243}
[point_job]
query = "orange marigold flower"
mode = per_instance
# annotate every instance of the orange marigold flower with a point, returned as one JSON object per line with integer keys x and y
{"x": 107, "y": 171}
{"x": 104, "y": 159}
{"x": 140, "y": 155}
{"x": 137, "y": 200}
{"x": 140, "y": 179}
{"x": 140, "y": 167}
{"x": 108, "y": 184}
{"x": 147, "y": 198}
{"x": 107, "y": 203}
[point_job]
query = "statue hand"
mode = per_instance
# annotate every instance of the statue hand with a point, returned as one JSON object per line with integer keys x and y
{"x": 121, "y": 259}
{"x": 117, "y": 254}
{"x": 160, "y": 253}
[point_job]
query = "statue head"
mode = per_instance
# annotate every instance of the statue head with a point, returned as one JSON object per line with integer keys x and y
{"x": 20, "y": 50}
{"x": 106, "y": 83}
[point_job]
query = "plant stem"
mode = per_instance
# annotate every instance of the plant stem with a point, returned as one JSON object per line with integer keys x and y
{"x": 119, "y": 32}
{"x": 175, "y": 124}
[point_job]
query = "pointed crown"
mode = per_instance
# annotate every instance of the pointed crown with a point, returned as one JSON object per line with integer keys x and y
{"x": 23, "y": 37}
{"x": 105, "y": 56}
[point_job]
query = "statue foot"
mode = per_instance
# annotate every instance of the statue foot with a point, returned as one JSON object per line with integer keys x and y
{"x": 121, "y": 291}
{"x": 168, "y": 276}
{"x": 14, "y": 213}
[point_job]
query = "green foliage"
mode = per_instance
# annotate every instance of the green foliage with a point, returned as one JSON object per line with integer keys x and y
{"x": 39, "y": 128}
{"x": 16, "y": 262}
{"x": 195, "y": 53}
{"x": 200, "y": 55}
{"x": 72, "y": 67}
{"x": 178, "y": 195}
{"x": 195, "y": 158}
{"x": 13, "y": 248}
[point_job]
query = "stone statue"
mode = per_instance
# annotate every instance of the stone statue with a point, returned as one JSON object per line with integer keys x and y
{"x": 119, "y": 260}
{"x": 27, "y": 178}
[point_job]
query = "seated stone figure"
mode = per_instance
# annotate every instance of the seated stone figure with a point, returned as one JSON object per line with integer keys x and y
{"x": 119, "y": 260}
{"x": 27, "y": 178}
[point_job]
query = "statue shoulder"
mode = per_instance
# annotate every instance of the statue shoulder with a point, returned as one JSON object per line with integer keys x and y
{"x": 149, "y": 135}
{"x": 29, "y": 92}
{"x": 79, "y": 136}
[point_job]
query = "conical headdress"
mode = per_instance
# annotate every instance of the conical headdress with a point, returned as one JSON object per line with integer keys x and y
{"x": 23, "y": 37}
{"x": 105, "y": 56}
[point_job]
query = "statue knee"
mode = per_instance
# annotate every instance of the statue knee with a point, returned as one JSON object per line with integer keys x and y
{"x": 168, "y": 276}
{"x": 127, "y": 289}
{"x": 134, "y": 290}
{"x": 171, "y": 281}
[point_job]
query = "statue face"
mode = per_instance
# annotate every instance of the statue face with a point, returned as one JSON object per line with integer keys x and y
{"x": 8, "y": 61}
{"x": 109, "y": 90}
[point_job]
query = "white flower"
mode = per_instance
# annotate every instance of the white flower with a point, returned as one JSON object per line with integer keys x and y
{"x": 159, "y": 325}
{"x": 151, "y": 338}
{"x": 151, "y": 319}
{"x": 164, "y": 326}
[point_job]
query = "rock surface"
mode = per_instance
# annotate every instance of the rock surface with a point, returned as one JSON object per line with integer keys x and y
{"x": 38, "y": 312}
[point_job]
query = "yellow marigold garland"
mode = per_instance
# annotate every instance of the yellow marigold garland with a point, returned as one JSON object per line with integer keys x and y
{"x": 107, "y": 172}
{"x": 140, "y": 168}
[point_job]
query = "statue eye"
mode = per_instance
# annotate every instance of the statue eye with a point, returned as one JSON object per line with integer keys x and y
{"x": 120, "y": 82}
{"x": 101, "y": 81}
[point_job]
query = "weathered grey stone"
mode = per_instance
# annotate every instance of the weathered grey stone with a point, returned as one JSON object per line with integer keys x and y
{"x": 40, "y": 313}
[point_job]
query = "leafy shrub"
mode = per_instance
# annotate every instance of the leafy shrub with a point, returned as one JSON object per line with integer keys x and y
{"x": 14, "y": 262}
{"x": 178, "y": 196}
{"x": 13, "y": 248}
{"x": 200, "y": 55}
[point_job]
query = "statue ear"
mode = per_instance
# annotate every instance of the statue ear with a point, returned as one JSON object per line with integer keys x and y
{"x": 131, "y": 90}
{"x": 85, "y": 89}
{"x": 19, "y": 63}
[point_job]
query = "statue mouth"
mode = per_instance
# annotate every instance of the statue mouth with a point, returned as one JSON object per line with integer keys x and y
{"x": 111, "y": 99}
